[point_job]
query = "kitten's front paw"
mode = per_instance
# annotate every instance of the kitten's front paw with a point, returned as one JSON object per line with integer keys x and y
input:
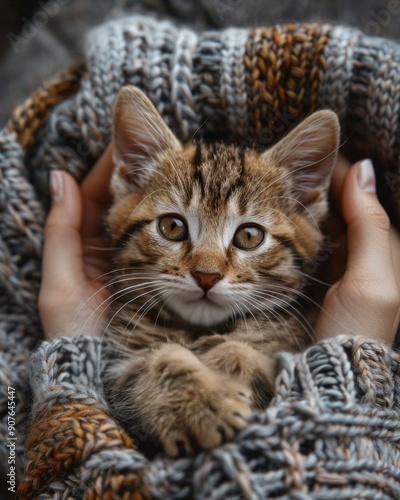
{"x": 214, "y": 412}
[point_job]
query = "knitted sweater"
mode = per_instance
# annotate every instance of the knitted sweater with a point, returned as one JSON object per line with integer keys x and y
{"x": 332, "y": 430}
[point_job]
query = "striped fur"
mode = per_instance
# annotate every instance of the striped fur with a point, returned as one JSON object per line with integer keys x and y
{"x": 189, "y": 364}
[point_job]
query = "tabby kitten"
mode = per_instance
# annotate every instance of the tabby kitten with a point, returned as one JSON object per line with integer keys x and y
{"x": 210, "y": 243}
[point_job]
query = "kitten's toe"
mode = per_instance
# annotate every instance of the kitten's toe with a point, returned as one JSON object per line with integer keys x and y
{"x": 215, "y": 420}
{"x": 239, "y": 418}
{"x": 244, "y": 394}
{"x": 177, "y": 444}
{"x": 212, "y": 436}
{"x": 237, "y": 412}
{"x": 227, "y": 418}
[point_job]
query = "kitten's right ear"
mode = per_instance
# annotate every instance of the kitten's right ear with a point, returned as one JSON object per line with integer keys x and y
{"x": 139, "y": 136}
{"x": 308, "y": 154}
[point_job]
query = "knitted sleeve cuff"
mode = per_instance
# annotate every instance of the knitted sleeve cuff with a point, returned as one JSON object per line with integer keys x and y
{"x": 332, "y": 427}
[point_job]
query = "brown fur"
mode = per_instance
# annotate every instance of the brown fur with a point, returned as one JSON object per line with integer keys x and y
{"x": 190, "y": 371}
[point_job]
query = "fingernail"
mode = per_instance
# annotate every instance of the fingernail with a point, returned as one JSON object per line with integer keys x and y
{"x": 366, "y": 176}
{"x": 56, "y": 185}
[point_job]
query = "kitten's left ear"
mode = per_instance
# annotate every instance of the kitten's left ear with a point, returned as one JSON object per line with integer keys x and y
{"x": 308, "y": 154}
{"x": 140, "y": 135}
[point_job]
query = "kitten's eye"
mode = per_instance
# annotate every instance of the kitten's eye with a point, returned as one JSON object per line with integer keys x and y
{"x": 248, "y": 237}
{"x": 173, "y": 228}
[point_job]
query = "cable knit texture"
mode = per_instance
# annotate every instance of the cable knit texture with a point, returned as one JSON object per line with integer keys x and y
{"x": 332, "y": 431}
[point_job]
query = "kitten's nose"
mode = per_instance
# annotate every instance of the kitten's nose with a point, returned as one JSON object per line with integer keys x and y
{"x": 206, "y": 281}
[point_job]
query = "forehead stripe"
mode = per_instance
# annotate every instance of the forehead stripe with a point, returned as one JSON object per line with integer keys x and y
{"x": 197, "y": 161}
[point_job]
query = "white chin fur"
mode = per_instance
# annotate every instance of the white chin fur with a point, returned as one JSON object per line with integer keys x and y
{"x": 200, "y": 312}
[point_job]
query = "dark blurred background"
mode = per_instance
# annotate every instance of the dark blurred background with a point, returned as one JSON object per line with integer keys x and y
{"x": 38, "y": 38}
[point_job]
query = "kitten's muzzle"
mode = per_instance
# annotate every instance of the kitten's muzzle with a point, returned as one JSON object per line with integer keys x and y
{"x": 206, "y": 281}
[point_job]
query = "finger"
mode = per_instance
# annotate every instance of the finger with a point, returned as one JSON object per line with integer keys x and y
{"x": 371, "y": 267}
{"x": 369, "y": 256}
{"x": 95, "y": 194}
{"x": 366, "y": 300}
{"x": 62, "y": 252}
{"x": 67, "y": 302}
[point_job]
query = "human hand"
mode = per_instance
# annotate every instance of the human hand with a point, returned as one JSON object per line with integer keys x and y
{"x": 75, "y": 256}
{"x": 366, "y": 299}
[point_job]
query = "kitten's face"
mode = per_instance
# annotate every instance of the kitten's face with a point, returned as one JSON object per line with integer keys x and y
{"x": 213, "y": 232}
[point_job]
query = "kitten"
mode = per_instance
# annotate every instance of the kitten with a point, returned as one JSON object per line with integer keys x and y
{"x": 210, "y": 242}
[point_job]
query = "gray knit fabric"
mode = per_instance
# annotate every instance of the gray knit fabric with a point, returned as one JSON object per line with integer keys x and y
{"x": 332, "y": 431}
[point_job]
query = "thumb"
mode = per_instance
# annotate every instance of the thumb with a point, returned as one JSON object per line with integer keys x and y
{"x": 369, "y": 256}
{"x": 62, "y": 263}
{"x": 366, "y": 300}
{"x": 368, "y": 292}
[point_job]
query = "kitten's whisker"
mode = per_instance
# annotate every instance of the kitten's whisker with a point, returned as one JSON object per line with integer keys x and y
{"x": 254, "y": 318}
{"x": 309, "y": 299}
{"x": 235, "y": 306}
{"x": 244, "y": 299}
{"x": 302, "y": 205}
{"x": 131, "y": 277}
{"x": 132, "y": 300}
{"x": 285, "y": 216}
{"x": 148, "y": 196}
{"x": 301, "y": 318}
{"x": 112, "y": 298}
{"x": 200, "y": 127}
{"x": 131, "y": 158}
{"x": 236, "y": 312}
{"x": 276, "y": 315}
{"x": 297, "y": 314}
{"x": 317, "y": 280}
{"x": 98, "y": 249}
{"x": 135, "y": 275}
{"x": 152, "y": 131}
{"x": 119, "y": 271}
{"x": 289, "y": 290}
{"x": 108, "y": 285}
{"x": 153, "y": 300}
{"x": 171, "y": 293}
{"x": 268, "y": 208}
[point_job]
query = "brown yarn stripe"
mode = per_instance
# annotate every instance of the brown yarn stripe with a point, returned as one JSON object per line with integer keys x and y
{"x": 64, "y": 436}
{"x": 27, "y": 119}
{"x": 285, "y": 65}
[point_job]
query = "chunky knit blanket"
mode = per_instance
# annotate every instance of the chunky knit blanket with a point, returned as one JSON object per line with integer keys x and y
{"x": 332, "y": 430}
